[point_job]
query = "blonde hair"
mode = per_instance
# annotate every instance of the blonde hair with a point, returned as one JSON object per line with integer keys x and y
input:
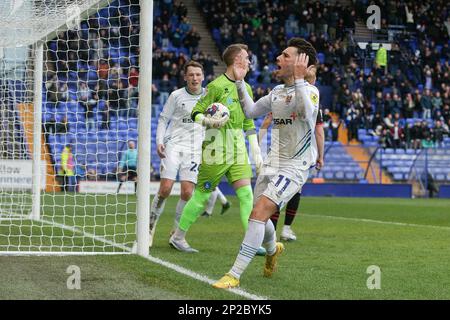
{"x": 232, "y": 51}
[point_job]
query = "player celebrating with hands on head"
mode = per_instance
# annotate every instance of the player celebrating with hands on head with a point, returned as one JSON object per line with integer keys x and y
{"x": 287, "y": 234}
{"x": 224, "y": 151}
{"x": 294, "y": 106}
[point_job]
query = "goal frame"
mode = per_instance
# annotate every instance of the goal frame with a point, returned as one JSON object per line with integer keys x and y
{"x": 144, "y": 133}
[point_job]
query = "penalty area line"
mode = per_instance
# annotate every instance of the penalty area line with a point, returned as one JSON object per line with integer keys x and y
{"x": 402, "y": 224}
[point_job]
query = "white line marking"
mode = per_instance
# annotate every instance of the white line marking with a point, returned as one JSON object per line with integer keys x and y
{"x": 86, "y": 234}
{"x": 174, "y": 267}
{"x": 379, "y": 221}
{"x": 58, "y": 253}
{"x": 203, "y": 278}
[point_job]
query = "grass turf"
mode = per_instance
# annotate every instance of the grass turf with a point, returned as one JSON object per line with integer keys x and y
{"x": 336, "y": 244}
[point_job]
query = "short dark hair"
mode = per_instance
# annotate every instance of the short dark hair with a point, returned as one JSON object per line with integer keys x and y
{"x": 304, "y": 46}
{"x": 232, "y": 51}
{"x": 192, "y": 63}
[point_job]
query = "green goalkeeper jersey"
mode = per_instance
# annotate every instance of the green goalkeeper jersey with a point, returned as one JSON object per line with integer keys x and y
{"x": 224, "y": 91}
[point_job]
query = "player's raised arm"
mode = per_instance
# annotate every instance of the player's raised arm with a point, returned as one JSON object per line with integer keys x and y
{"x": 250, "y": 108}
{"x": 305, "y": 105}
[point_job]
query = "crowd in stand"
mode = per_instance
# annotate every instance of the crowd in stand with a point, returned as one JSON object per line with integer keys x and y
{"x": 369, "y": 92}
{"x": 412, "y": 82}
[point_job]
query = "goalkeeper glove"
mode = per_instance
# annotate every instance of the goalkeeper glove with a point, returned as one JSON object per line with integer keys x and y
{"x": 211, "y": 122}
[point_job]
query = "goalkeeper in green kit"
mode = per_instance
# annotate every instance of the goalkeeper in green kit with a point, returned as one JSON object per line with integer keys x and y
{"x": 223, "y": 150}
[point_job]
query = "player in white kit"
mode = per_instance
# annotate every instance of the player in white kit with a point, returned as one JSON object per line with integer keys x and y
{"x": 294, "y": 106}
{"x": 179, "y": 144}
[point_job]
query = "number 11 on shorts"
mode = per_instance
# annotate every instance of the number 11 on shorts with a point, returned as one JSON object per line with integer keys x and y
{"x": 280, "y": 179}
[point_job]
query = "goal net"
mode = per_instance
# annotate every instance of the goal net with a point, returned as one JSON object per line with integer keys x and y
{"x": 68, "y": 113}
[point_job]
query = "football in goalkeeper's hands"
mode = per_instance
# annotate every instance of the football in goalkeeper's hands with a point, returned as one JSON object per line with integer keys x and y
{"x": 217, "y": 110}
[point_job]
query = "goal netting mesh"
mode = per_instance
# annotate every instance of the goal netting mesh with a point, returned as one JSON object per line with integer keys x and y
{"x": 86, "y": 98}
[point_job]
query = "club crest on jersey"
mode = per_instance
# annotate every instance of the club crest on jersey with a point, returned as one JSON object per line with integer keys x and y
{"x": 207, "y": 185}
{"x": 288, "y": 99}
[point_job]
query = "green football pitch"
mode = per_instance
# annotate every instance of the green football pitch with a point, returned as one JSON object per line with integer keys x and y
{"x": 339, "y": 239}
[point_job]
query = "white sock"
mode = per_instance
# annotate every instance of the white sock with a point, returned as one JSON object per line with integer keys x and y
{"x": 221, "y": 197}
{"x": 286, "y": 228}
{"x": 158, "y": 205}
{"x": 270, "y": 242}
{"x": 252, "y": 241}
{"x": 178, "y": 211}
{"x": 211, "y": 202}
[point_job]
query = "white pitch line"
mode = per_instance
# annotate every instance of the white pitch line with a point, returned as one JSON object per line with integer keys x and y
{"x": 202, "y": 278}
{"x": 172, "y": 266}
{"x": 89, "y": 235}
{"x": 379, "y": 221}
{"x": 59, "y": 253}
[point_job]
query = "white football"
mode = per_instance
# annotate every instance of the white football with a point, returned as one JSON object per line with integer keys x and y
{"x": 217, "y": 110}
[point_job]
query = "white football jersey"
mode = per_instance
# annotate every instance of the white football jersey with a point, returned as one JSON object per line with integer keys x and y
{"x": 293, "y": 140}
{"x": 182, "y": 133}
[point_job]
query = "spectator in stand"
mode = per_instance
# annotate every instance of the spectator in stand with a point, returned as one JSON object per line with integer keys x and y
{"x": 63, "y": 93}
{"x": 66, "y": 171}
{"x": 388, "y": 121}
{"x": 427, "y": 142}
{"x": 52, "y": 89}
{"x": 326, "y": 124}
{"x": 385, "y": 139}
{"x": 164, "y": 89}
{"x": 335, "y": 125}
{"x": 416, "y": 135}
{"x": 63, "y": 126}
{"x": 353, "y": 120}
{"x": 192, "y": 40}
{"x": 381, "y": 59}
{"x": 438, "y": 134}
{"x": 379, "y": 104}
{"x": 397, "y": 136}
{"x": 425, "y": 103}
{"x": 127, "y": 169}
{"x": 133, "y": 77}
{"x": 408, "y": 106}
{"x": 436, "y": 101}
{"x": 91, "y": 174}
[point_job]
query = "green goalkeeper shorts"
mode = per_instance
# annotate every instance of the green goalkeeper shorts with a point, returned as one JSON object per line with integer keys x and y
{"x": 209, "y": 176}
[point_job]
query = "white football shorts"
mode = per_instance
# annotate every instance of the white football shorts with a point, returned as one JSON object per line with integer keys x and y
{"x": 280, "y": 185}
{"x": 185, "y": 163}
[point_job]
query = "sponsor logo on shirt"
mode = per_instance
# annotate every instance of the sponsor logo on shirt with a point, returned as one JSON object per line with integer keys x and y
{"x": 281, "y": 121}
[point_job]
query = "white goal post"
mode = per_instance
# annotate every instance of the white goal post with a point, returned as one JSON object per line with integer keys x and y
{"x": 70, "y": 74}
